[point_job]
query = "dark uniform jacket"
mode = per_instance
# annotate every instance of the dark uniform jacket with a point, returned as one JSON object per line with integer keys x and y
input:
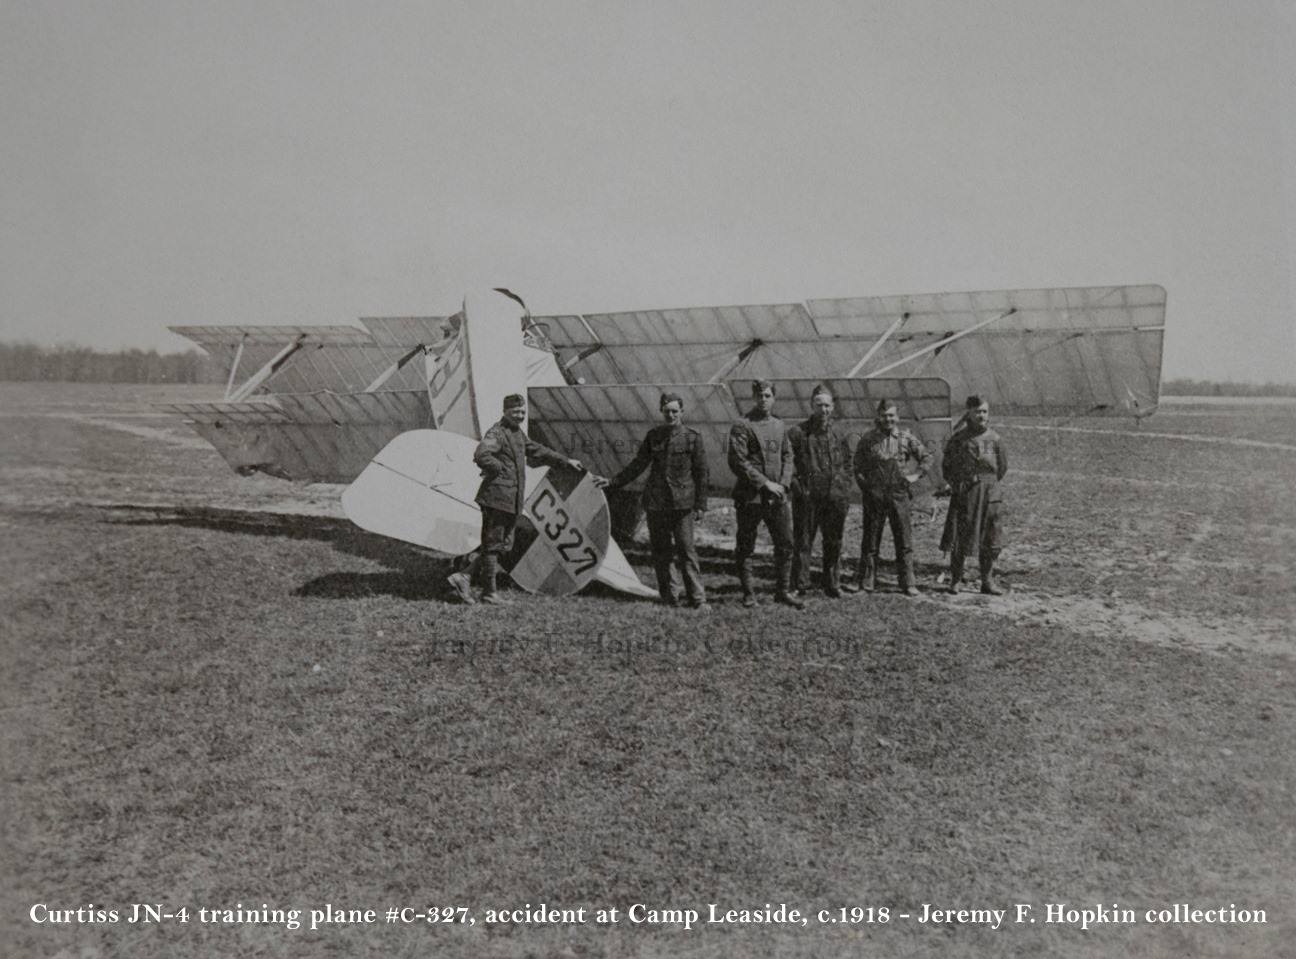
{"x": 821, "y": 461}
{"x": 678, "y": 478}
{"x": 974, "y": 457}
{"x": 502, "y": 456}
{"x": 883, "y": 460}
{"x": 758, "y": 451}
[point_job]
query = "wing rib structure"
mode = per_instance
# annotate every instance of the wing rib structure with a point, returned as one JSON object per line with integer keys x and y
{"x": 315, "y": 400}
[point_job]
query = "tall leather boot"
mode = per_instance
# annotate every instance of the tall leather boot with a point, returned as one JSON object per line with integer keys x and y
{"x": 832, "y": 579}
{"x": 956, "y": 572}
{"x": 488, "y": 571}
{"x": 745, "y": 582}
{"x": 907, "y": 585}
{"x": 784, "y": 594}
{"x": 988, "y": 584}
{"x": 461, "y": 581}
{"x": 868, "y": 573}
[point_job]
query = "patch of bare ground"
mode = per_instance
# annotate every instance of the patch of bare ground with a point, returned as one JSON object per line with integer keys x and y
{"x": 1124, "y": 622}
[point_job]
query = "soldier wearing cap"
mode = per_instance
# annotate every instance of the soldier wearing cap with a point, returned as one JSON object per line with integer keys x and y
{"x": 889, "y": 461}
{"x": 503, "y": 455}
{"x": 821, "y": 492}
{"x": 760, "y": 456}
{"x": 674, "y": 497}
{"x": 974, "y": 463}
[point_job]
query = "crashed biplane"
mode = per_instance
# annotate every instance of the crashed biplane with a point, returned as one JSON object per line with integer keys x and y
{"x": 319, "y": 403}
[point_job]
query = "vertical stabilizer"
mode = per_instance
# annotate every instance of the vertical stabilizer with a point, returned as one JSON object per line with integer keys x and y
{"x": 496, "y": 355}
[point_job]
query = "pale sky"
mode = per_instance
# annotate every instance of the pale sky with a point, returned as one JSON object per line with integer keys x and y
{"x": 307, "y": 163}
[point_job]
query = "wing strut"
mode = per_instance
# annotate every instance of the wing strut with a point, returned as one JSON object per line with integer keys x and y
{"x": 238, "y": 358}
{"x": 878, "y": 345}
{"x": 263, "y": 374}
{"x": 391, "y": 371}
{"x": 943, "y": 342}
{"x": 734, "y": 363}
{"x": 583, "y": 354}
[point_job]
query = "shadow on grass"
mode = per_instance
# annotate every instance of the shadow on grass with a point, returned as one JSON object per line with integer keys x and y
{"x": 412, "y": 573}
{"x": 718, "y": 561}
{"x": 416, "y": 574}
{"x": 405, "y": 584}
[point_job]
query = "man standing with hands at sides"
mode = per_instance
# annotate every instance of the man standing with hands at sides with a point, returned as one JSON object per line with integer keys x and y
{"x": 974, "y": 463}
{"x": 502, "y": 456}
{"x": 821, "y": 492}
{"x": 761, "y": 457}
{"x": 889, "y": 461}
{"x": 674, "y": 497}
{"x": 947, "y": 532}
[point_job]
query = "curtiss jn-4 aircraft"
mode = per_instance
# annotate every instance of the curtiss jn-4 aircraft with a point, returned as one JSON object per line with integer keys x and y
{"x": 394, "y": 407}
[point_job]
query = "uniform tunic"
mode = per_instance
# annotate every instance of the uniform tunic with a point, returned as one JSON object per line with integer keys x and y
{"x": 821, "y": 495}
{"x": 677, "y": 485}
{"x": 678, "y": 475}
{"x": 974, "y": 463}
{"x": 502, "y": 456}
{"x": 758, "y": 451}
{"x": 883, "y": 463}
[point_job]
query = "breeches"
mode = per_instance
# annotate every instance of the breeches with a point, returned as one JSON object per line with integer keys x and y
{"x": 777, "y": 517}
{"x": 497, "y": 530}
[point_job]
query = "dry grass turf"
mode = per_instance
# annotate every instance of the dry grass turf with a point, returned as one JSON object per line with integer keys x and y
{"x": 218, "y": 691}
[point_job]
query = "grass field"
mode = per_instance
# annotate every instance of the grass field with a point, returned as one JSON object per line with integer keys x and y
{"x": 218, "y": 691}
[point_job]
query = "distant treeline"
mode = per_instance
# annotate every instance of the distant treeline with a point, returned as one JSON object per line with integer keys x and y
{"x": 80, "y": 364}
{"x": 1184, "y": 387}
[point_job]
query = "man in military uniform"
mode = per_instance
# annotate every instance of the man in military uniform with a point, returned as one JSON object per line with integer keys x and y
{"x": 502, "y": 456}
{"x": 948, "y": 530}
{"x": 974, "y": 463}
{"x": 889, "y": 461}
{"x": 674, "y": 497}
{"x": 761, "y": 457}
{"x": 821, "y": 492}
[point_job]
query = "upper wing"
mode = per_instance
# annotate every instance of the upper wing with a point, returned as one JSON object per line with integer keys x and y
{"x": 306, "y": 359}
{"x": 1091, "y": 350}
{"x": 1083, "y": 351}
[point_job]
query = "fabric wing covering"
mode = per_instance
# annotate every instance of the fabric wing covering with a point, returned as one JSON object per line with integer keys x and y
{"x": 307, "y": 416}
{"x": 308, "y": 437}
{"x": 341, "y": 359}
{"x": 314, "y": 402}
{"x": 1090, "y": 351}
